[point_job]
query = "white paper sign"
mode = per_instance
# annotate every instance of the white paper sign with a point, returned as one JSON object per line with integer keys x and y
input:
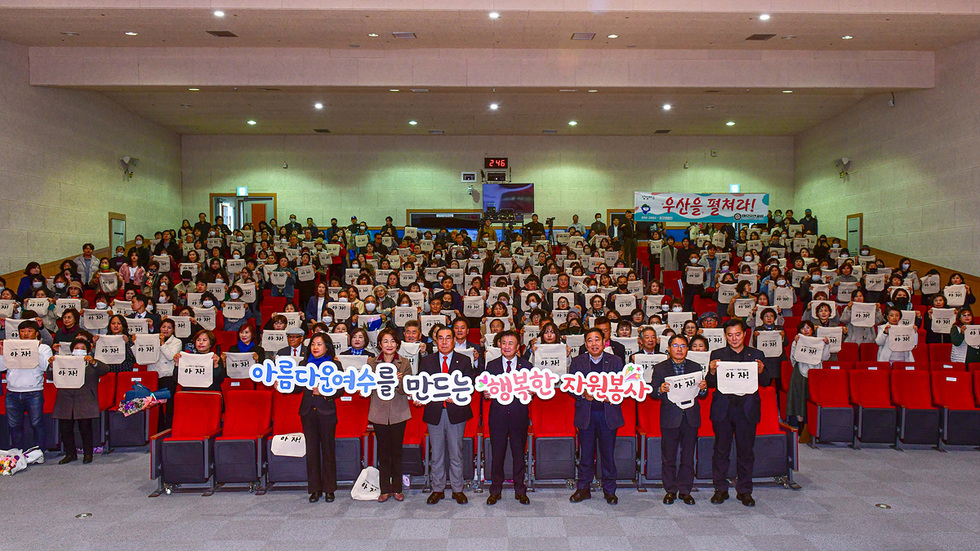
{"x": 289, "y": 445}
{"x": 942, "y": 320}
{"x": 743, "y": 307}
{"x": 233, "y": 310}
{"x": 206, "y": 317}
{"x": 146, "y": 349}
{"x": 21, "y": 353}
{"x": 410, "y": 350}
{"x": 699, "y": 357}
{"x": 676, "y": 320}
{"x": 835, "y": 336}
{"x": 237, "y": 364}
{"x": 195, "y": 370}
{"x": 738, "y": 378}
{"x": 770, "y": 343}
{"x": 901, "y": 338}
{"x": 94, "y": 320}
{"x": 249, "y": 294}
{"x": 341, "y": 310}
{"x": 305, "y": 273}
{"x": 472, "y": 307}
{"x": 863, "y": 314}
{"x": 683, "y": 389}
{"x": 63, "y": 304}
{"x": 908, "y": 317}
{"x": 429, "y": 321}
{"x": 182, "y": 326}
{"x": 955, "y": 295}
{"x": 69, "y": 372}
{"x": 874, "y": 282}
{"x": 649, "y": 361}
{"x": 111, "y": 349}
{"x": 625, "y": 304}
{"x": 930, "y": 284}
{"x": 695, "y": 275}
{"x": 971, "y": 335}
{"x": 783, "y": 297}
{"x": 715, "y": 336}
{"x": 273, "y": 340}
{"x": 808, "y": 350}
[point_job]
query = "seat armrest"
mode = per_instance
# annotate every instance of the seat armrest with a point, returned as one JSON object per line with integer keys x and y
{"x": 161, "y": 434}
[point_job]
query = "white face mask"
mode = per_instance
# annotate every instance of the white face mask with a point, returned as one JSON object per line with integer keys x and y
{"x": 219, "y": 281}
{"x": 678, "y": 308}
{"x": 781, "y": 283}
{"x": 79, "y": 352}
{"x": 36, "y": 284}
{"x": 207, "y": 303}
{"x": 355, "y": 265}
{"x": 327, "y": 319}
{"x": 233, "y": 295}
{"x": 101, "y": 306}
{"x": 835, "y": 246}
{"x": 139, "y": 242}
{"x": 342, "y": 299}
{"x": 592, "y": 288}
{"x": 748, "y": 258}
{"x": 906, "y": 266}
{"x": 59, "y": 285}
{"x": 236, "y": 255}
{"x": 163, "y": 300}
{"x": 843, "y": 255}
{"x": 370, "y": 306}
{"x": 532, "y": 304}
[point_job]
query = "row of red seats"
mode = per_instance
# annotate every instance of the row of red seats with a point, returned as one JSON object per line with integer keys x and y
{"x": 895, "y": 406}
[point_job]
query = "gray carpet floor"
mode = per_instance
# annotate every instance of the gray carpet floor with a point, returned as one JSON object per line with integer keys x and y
{"x": 933, "y": 499}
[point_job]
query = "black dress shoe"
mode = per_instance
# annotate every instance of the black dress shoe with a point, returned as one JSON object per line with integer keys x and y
{"x": 580, "y": 495}
{"x": 68, "y": 459}
{"x": 492, "y": 499}
{"x": 434, "y": 497}
{"x": 314, "y": 497}
{"x": 746, "y": 499}
{"x": 719, "y": 497}
{"x": 329, "y": 497}
{"x": 687, "y": 499}
{"x": 460, "y": 498}
{"x": 669, "y": 498}
{"x": 610, "y": 498}
{"x": 522, "y": 498}
{"x": 87, "y": 459}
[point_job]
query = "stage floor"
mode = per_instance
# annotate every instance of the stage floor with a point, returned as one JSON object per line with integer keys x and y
{"x": 934, "y": 500}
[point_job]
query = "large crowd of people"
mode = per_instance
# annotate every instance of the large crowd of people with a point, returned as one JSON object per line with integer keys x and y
{"x": 501, "y": 294}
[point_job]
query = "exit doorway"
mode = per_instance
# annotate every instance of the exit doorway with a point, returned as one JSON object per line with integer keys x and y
{"x": 237, "y": 211}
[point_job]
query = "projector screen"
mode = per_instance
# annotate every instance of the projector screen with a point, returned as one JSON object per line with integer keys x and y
{"x": 516, "y": 197}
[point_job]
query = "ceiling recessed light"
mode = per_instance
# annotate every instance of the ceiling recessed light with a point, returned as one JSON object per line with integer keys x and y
{"x": 847, "y": 37}
{"x": 413, "y": 123}
{"x": 567, "y": 90}
{"x": 318, "y": 105}
{"x": 373, "y": 35}
{"x": 250, "y": 122}
{"x": 494, "y": 106}
{"x": 730, "y": 123}
{"x": 131, "y": 33}
{"x": 219, "y": 13}
{"x": 69, "y": 33}
{"x": 667, "y": 107}
{"x": 394, "y": 90}
{"x": 764, "y": 17}
{"x": 787, "y": 91}
{"x": 613, "y": 36}
{"x": 593, "y": 91}
{"x": 572, "y": 123}
{"x": 494, "y": 15}
{"x": 193, "y": 89}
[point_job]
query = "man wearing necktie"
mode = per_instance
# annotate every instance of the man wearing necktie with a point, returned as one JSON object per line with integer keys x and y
{"x": 446, "y": 420}
{"x": 596, "y": 421}
{"x": 508, "y": 424}
{"x": 139, "y": 312}
{"x": 296, "y": 348}
{"x": 679, "y": 426}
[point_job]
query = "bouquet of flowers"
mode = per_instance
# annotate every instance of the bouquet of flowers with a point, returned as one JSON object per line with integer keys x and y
{"x": 12, "y": 461}
{"x": 136, "y": 405}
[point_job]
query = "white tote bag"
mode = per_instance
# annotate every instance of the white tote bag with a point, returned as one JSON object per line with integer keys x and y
{"x": 367, "y": 487}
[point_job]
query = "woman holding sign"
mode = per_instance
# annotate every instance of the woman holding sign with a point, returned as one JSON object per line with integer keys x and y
{"x": 390, "y": 417}
{"x": 204, "y": 343}
{"x": 119, "y": 327}
{"x": 887, "y": 345}
{"x": 78, "y": 403}
{"x": 318, "y": 414}
{"x": 808, "y": 352}
{"x": 853, "y": 332}
{"x": 965, "y": 349}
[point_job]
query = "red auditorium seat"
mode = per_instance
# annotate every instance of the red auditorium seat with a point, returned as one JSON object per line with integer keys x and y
{"x": 351, "y": 436}
{"x": 947, "y": 366}
{"x": 910, "y": 366}
{"x": 838, "y": 365}
{"x": 239, "y": 453}
{"x": 225, "y": 339}
{"x": 285, "y": 420}
{"x": 238, "y": 384}
{"x": 183, "y": 454}
{"x": 873, "y": 365}
{"x": 849, "y": 352}
{"x": 953, "y": 393}
{"x": 648, "y": 428}
{"x": 918, "y": 419}
{"x": 136, "y": 429}
{"x": 868, "y": 352}
{"x": 552, "y": 436}
{"x": 830, "y": 416}
{"x": 875, "y": 414}
{"x": 939, "y": 352}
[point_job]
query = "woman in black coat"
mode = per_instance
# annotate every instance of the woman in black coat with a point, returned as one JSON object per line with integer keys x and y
{"x": 79, "y": 405}
{"x": 318, "y": 413}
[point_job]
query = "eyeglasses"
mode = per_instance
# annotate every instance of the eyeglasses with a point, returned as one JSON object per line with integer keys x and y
{"x": 678, "y": 345}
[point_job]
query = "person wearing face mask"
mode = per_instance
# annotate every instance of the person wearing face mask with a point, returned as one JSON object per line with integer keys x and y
{"x": 598, "y": 227}
{"x": 293, "y": 226}
{"x": 141, "y": 248}
{"x": 690, "y": 290}
{"x": 79, "y": 405}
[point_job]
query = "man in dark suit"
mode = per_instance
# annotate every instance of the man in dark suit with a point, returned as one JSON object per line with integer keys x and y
{"x": 461, "y": 332}
{"x": 446, "y": 420}
{"x": 596, "y": 421}
{"x": 294, "y": 338}
{"x": 508, "y": 424}
{"x": 678, "y": 426}
{"x": 602, "y": 323}
{"x": 627, "y": 231}
{"x": 597, "y": 227}
{"x": 139, "y": 312}
{"x": 735, "y": 416}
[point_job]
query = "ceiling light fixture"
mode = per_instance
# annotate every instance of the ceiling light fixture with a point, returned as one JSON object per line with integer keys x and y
{"x": 394, "y": 90}
{"x": 787, "y": 91}
{"x": 318, "y": 105}
{"x": 193, "y": 89}
{"x": 613, "y": 36}
{"x": 764, "y": 17}
{"x": 730, "y": 123}
{"x": 413, "y": 123}
{"x": 69, "y": 33}
{"x": 494, "y": 106}
{"x": 593, "y": 91}
{"x": 572, "y": 123}
{"x": 373, "y": 35}
{"x": 494, "y": 15}
{"x": 219, "y": 13}
{"x": 250, "y": 122}
{"x": 667, "y": 107}
{"x": 131, "y": 33}
{"x": 847, "y": 37}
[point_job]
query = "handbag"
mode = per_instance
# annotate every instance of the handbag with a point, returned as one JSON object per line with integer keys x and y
{"x": 367, "y": 487}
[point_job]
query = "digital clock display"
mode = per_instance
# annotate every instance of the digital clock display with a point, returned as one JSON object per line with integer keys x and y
{"x": 495, "y": 162}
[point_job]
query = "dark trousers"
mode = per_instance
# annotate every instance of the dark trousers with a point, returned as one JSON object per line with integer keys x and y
{"x": 390, "y": 441}
{"x": 598, "y": 432}
{"x": 167, "y": 408}
{"x": 678, "y": 478}
{"x": 690, "y": 291}
{"x": 734, "y": 425}
{"x": 67, "y": 429}
{"x": 321, "y": 451}
{"x": 31, "y": 403}
{"x": 508, "y": 428}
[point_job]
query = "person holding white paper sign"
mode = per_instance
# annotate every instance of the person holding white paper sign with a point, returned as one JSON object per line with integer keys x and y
{"x": 885, "y": 353}
{"x": 204, "y": 342}
{"x": 859, "y": 333}
{"x": 25, "y": 390}
{"x": 678, "y": 424}
{"x": 79, "y": 405}
{"x": 938, "y": 301}
{"x": 735, "y": 417}
{"x": 807, "y": 347}
{"x": 964, "y": 336}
